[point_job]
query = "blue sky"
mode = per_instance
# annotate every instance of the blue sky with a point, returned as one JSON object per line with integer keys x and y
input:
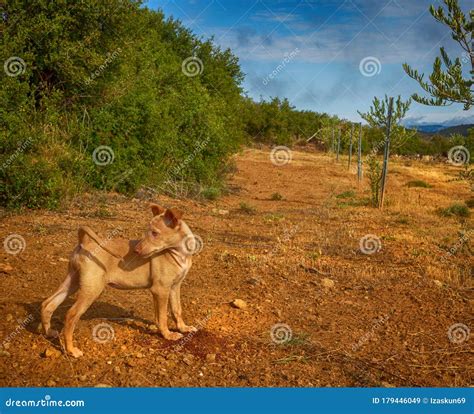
{"x": 310, "y": 51}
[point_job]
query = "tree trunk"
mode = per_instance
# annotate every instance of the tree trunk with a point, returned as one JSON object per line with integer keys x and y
{"x": 359, "y": 155}
{"x": 386, "y": 154}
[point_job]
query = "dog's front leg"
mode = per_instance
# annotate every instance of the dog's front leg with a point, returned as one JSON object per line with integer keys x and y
{"x": 175, "y": 299}
{"x": 160, "y": 299}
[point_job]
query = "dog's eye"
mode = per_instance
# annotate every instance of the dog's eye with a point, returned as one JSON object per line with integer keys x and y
{"x": 155, "y": 233}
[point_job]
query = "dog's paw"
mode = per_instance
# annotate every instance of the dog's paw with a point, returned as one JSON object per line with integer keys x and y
{"x": 187, "y": 328}
{"x": 52, "y": 333}
{"x": 76, "y": 352}
{"x": 173, "y": 336}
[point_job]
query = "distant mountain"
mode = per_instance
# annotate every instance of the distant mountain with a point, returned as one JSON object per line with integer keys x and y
{"x": 427, "y": 128}
{"x": 431, "y": 129}
{"x": 457, "y": 129}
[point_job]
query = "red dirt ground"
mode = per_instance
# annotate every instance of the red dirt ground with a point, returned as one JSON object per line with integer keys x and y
{"x": 356, "y": 319}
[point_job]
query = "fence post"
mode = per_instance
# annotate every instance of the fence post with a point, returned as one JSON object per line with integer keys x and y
{"x": 338, "y": 144}
{"x": 359, "y": 155}
{"x": 386, "y": 153}
{"x": 350, "y": 147}
{"x": 333, "y": 146}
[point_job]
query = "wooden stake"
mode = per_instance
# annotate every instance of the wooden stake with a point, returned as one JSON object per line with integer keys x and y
{"x": 350, "y": 147}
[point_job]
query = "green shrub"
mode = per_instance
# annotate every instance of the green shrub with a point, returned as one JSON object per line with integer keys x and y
{"x": 211, "y": 193}
{"x": 276, "y": 197}
{"x": 470, "y": 203}
{"x": 418, "y": 183}
{"x": 246, "y": 208}
{"x": 456, "y": 209}
{"x": 346, "y": 194}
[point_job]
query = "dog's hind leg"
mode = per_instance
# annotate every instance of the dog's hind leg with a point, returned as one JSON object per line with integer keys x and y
{"x": 68, "y": 287}
{"x": 88, "y": 293}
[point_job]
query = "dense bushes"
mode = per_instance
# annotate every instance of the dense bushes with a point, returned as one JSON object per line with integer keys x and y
{"x": 109, "y": 74}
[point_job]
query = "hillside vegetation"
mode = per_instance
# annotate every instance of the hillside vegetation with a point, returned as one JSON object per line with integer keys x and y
{"x": 111, "y": 95}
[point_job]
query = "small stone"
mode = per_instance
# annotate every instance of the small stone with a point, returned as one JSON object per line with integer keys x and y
{"x": 139, "y": 355}
{"x": 239, "y": 304}
{"x": 51, "y": 353}
{"x": 4, "y": 353}
{"x": 102, "y": 386}
{"x": 9, "y": 317}
{"x": 117, "y": 370}
{"x": 50, "y": 383}
{"x": 188, "y": 359}
{"x": 438, "y": 283}
{"x": 153, "y": 328}
{"x": 109, "y": 362}
{"x": 83, "y": 378}
{"x": 210, "y": 357}
{"x": 5, "y": 268}
{"x": 131, "y": 363}
{"x": 223, "y": 212}
{"x": 386, "y": 384}
{"x": 327, "y": 283}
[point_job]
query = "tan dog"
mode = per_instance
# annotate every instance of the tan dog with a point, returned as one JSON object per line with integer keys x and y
{"x": 159, "y": 262}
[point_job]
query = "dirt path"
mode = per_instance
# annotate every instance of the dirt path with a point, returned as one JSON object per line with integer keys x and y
{"x": 356, "y": 319}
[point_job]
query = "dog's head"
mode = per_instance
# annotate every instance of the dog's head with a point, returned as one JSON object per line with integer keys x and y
{"x": 164, "y": 231}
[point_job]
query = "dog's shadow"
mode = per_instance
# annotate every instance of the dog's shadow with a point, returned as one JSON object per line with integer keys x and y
{"x": 102, "y": 312}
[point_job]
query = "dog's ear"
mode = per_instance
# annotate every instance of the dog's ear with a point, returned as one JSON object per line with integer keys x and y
{"x": 156, "y": 209}
{"x": 172, "y": 217}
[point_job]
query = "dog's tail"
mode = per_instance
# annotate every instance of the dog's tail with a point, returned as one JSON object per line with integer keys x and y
{"x": 83, "y": 230}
